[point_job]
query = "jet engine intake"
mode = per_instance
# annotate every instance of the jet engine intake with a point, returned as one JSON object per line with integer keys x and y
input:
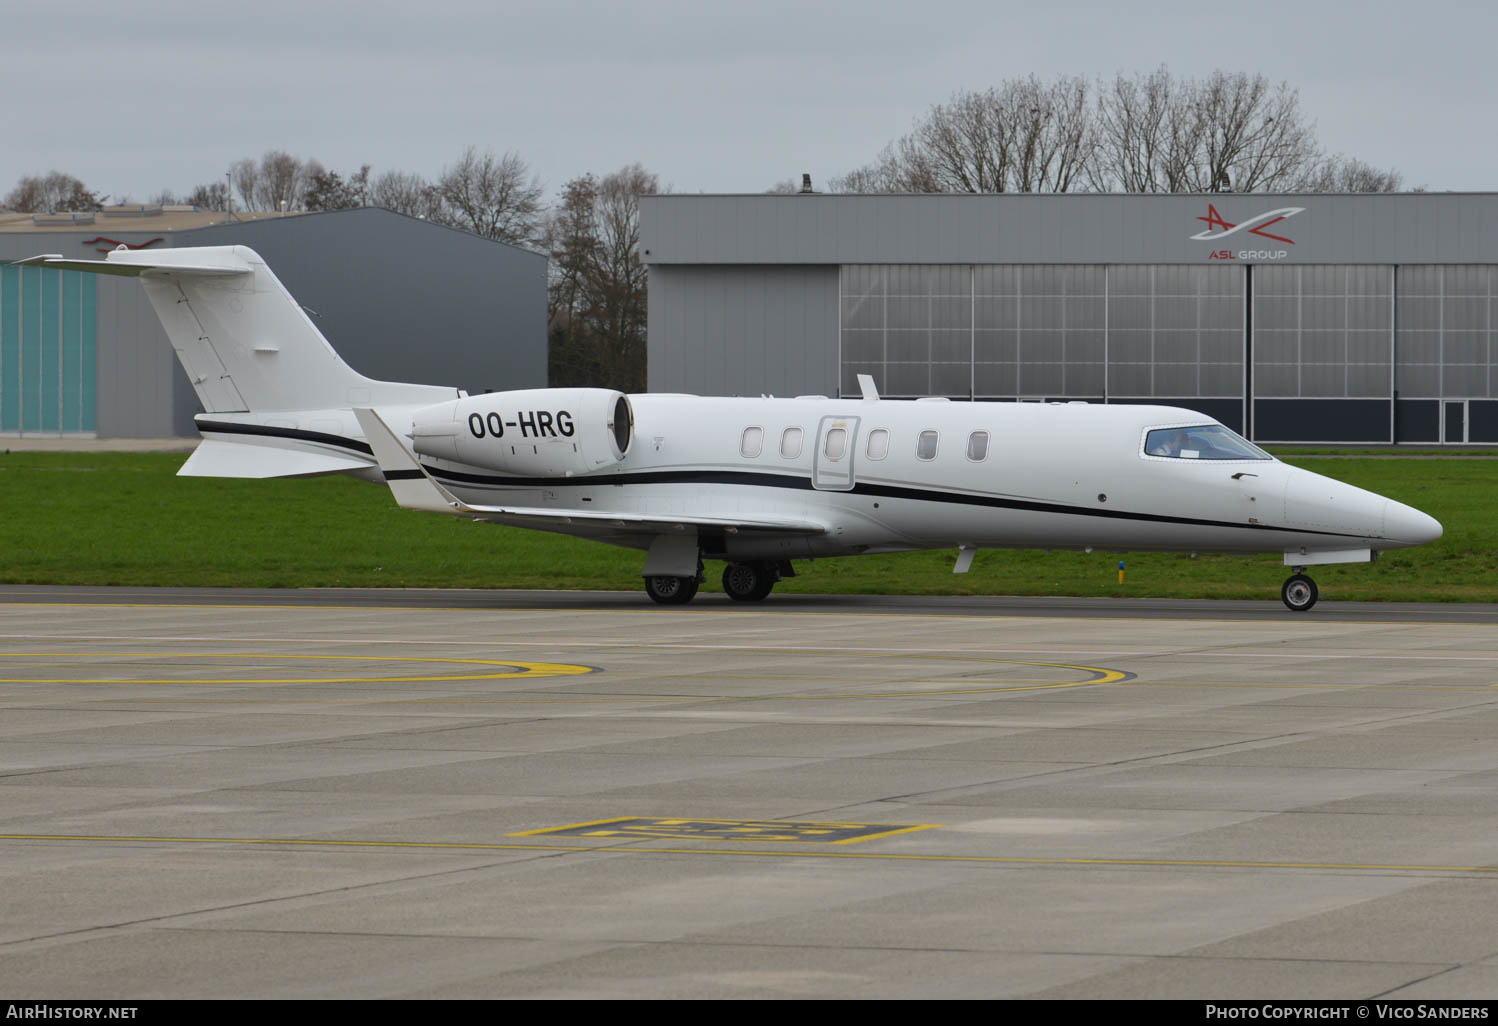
{"x": 553, "y": 432}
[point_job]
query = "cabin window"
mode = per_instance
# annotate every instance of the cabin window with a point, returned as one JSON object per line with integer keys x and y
{"x": 753, "y": 442}
{"x": 878, "y": 444}
{"x": 925, "y": 446}
{"x": 977, "y": 446}
{"x": 790, "y": 443}
{"x": 837, "y": 443}
{"x": 1202, "y": 442}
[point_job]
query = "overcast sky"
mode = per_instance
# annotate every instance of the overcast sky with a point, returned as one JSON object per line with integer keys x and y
{"x": 139, "y": 96}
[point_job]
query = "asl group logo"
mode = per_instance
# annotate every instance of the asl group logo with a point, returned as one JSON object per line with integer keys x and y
{"x": 1219, "y": 227}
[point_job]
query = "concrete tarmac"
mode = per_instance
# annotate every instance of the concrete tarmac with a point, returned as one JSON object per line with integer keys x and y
{"x": 217, "y": 794}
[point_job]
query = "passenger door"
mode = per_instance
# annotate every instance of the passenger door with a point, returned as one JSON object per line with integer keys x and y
{"x": 832, "y": 461}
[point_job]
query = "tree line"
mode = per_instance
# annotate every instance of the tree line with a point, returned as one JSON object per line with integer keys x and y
{"x": 596, "y": 280}
{"x": 1144, "y": 132}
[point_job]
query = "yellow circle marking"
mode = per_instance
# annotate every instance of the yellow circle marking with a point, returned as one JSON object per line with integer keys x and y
{"x": 507, "y": 669}
{"x": 517, "y": 669}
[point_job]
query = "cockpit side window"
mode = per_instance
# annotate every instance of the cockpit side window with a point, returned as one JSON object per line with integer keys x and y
{"x": 1201, "y": 442}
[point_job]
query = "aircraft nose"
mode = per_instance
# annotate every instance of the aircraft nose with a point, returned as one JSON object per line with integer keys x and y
{"x": 1408, "y": 525}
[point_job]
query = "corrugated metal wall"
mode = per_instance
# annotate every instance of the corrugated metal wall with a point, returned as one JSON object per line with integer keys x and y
{"x": 1294, "y": 318}
{"x": 743, "y": 330}
{"x": 47, "y": 368}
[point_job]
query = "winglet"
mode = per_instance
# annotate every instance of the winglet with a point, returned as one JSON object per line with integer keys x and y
{"x": 867, "y": 387}
{"x": 411, "y": 485}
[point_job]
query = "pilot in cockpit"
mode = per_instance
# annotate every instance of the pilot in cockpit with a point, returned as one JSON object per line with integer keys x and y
{"x": 1170, "y": 444}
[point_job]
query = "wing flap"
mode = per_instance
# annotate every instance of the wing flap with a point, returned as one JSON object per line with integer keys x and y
{"x": 525, "y": 516}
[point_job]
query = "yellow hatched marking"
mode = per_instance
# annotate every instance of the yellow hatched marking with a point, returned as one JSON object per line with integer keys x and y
{"x": 682, "y": 828}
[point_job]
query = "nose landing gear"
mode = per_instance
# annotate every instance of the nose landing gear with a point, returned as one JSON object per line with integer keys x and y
{"x": 1299, "y": 593}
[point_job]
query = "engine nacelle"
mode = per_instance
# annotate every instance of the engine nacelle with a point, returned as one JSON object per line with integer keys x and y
{"x": 552, "y": 432}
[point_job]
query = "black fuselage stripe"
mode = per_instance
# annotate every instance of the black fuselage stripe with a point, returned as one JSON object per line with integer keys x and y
{"x": 731, "y": 477}
{"x": 220, "y": 427}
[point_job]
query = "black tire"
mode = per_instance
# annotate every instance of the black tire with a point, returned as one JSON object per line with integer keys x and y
{"x": 1299, "y": 593}
{"x": 748, "y": 582}
{"x": 671, "y": 591}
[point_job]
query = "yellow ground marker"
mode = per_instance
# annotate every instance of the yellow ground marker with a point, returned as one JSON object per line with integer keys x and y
{"x": 511, "y": 668}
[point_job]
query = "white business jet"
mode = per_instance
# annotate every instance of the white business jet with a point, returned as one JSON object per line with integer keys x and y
{"x": 753, "y": 482}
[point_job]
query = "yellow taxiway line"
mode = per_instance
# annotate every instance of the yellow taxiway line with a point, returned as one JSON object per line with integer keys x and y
{"x": 790, "y": 853}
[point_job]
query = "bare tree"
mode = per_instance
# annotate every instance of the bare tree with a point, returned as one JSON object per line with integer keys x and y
{"x": 1021, "y": 136}
{"x": 597, "y": 286}
{"x": 212, "y": 196}
{"x": 52, "y": 192}
{"x": 245, "y": 174}
{"x": 282, "y": 180}
{"x": 492, "y": 196}
{"x": 1142, "y": 133}
{"x": 1348, "y": 174}
{"x": 1251, "y": 136}
{"x": 618, "y": 276}
{"x": 1142, "y": 145}
{"x": 328, "y": 190}
{"x": 408, "y": 194}
{"x": 569, "y": 237}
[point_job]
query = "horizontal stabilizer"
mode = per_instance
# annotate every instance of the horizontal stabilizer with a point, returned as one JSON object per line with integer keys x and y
{"x": 230, "y": 459}
{"x": 127, "y": 265}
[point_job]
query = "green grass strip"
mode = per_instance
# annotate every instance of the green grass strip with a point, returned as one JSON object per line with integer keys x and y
{"x": 126, "y": 519}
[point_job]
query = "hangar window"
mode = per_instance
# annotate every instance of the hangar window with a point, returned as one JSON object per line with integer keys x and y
{"x": 752, "y": 443}
{"x": 977, "y": 446}
{"x": 878, "y": 444}
{"x": 837, "y": 443}
{"x": 1202, "y": 442}
{"x": 925, "y": 446}
{"x": 790, "y": 443}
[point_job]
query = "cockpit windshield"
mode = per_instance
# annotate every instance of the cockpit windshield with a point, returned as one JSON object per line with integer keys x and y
{"x": 1202, "y": 442}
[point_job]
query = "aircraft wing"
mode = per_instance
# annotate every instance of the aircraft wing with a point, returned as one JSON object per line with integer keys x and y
{"x": 414, "y": 488}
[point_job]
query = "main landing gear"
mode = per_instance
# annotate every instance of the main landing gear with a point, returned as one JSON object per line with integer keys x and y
{"x": 1299, "y": 592}
{"x": 743, "y": 582}
{"x": 672, "y": 591}
{"x": 749, "y": 582}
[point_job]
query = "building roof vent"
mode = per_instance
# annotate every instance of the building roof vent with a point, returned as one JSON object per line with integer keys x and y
{"x": 85, "y": 217}
{"x": 806, "y": 189}
{"x": 132, "y": 210}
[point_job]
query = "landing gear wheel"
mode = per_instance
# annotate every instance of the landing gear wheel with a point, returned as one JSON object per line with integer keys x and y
{"x": 1299, "y": 593}
{"x": 671, "y": 591}
{"x": 748, "y": 582}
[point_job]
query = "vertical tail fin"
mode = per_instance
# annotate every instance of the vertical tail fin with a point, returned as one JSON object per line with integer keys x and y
{"x": 246, "y": 344}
